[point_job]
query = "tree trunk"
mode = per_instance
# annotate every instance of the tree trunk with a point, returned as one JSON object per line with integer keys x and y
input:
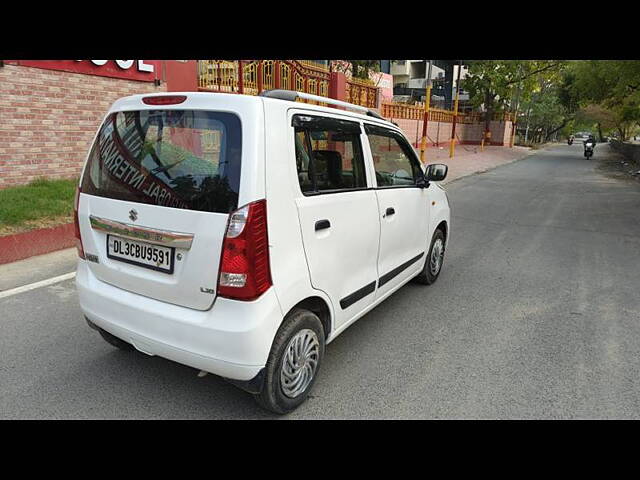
{"x": 600, "y": 132}
{"x": 623, "y": 133}
{"x": 564, "y": 123}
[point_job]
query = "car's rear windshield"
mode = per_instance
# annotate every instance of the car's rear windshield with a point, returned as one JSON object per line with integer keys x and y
{"x": 187, "y": 159}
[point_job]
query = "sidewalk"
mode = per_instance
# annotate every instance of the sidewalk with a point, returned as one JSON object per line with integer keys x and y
{"x": 468, "y": 159}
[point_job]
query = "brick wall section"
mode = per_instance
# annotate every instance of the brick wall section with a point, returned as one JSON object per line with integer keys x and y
{"x": 48, "y": 119}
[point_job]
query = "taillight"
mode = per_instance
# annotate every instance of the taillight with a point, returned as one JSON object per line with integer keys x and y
{"x": 244, "y": 266}
{"x": 164, "y": 99}
{"x": 79, "y": 246}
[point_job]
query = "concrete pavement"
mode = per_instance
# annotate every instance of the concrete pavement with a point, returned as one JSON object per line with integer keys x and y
{"x": 469, "y": 159}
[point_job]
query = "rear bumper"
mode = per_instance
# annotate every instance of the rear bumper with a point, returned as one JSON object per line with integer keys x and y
{"x": 232, "y": 339}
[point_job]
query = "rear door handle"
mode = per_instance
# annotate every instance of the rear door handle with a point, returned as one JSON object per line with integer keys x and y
{"x": 390, "y": 211}
{"x": 322, "y": 224}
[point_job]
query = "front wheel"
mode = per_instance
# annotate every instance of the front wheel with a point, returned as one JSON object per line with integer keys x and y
{"x": 434, "y": 260}
{"x": 293, "y": 363}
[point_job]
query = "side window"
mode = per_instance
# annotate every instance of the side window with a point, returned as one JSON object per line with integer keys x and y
{"x": 394, "y": 162}
{"x": 328, "y": 154}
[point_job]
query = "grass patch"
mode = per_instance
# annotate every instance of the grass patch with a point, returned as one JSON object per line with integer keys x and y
{"x": 42, "y": 202}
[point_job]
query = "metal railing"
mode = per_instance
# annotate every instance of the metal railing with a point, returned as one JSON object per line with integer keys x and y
{"x": 315, "y": 64}
{"x": 416, "y": 112}
{"x": 251, "y": 77}
{"x": 254, "y": 76}
{"x": 361, "y": 92}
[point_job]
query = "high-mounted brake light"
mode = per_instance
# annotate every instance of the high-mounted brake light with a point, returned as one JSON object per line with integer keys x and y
{"x": 164, "y": 99}
{"x": 76, "y": 222}
{"x": 245, "y": 273}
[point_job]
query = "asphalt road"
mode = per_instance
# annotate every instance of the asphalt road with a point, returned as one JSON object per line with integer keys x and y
{"x": 535, "y": 315}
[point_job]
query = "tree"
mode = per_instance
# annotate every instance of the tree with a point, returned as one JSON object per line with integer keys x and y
{"x": 545, "y": 113}
{"x": 603, "y": 118}
{"x": 358, "y": 68}
{"x": 609, "y": 92}
{"x": 493, "y": 83}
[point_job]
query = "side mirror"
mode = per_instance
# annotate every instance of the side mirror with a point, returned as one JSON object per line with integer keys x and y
{"x": 436, "y": 172}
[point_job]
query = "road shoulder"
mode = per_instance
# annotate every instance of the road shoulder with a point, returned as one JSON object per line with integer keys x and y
{"x": 36, "y": 269}
{"x": 615, "y": 165}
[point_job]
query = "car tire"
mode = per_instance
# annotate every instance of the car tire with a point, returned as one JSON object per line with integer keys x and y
{"x": 289, "y": 377}
{"x": 115, "y": 341}
{"x": 433, "y": 265}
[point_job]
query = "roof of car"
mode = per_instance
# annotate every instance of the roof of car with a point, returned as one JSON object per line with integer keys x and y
{"x": 134, "y": 99}
{"x": 333, "y": 110}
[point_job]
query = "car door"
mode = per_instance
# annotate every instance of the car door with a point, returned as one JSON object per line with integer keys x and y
{"x": 403, "y": 207}
{"x": 338, "y": 212}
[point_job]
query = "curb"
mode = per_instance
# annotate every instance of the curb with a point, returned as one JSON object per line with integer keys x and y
{"x": 36, "y": 242}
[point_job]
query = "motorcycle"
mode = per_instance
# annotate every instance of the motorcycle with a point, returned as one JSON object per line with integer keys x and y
{"x": 570, "y": 141}
{"x": 588, "y": 150}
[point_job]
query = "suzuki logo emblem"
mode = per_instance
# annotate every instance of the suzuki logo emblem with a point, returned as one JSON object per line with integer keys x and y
{"x": 133, "y": 215}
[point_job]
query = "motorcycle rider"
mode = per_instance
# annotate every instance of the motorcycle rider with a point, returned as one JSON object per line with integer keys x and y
{"x": 591, "y": 140}
{"x": 570, "y": 139}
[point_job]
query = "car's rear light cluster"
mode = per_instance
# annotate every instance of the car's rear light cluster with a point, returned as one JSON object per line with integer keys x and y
{"x": 245, "y": 273}
{"x": 76, "y": 222}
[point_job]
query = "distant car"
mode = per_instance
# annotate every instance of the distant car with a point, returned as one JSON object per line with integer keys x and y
{"x": 580, "y": 136}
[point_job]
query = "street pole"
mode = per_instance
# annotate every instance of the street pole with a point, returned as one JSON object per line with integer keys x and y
{"x": 514, "y": 120}
{"x": 455, "y": 113}
{"x": 427, "y": 104}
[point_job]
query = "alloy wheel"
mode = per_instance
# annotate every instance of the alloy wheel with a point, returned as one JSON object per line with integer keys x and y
{"x": 437, "y": 255}
{"x": 299, "y": 363}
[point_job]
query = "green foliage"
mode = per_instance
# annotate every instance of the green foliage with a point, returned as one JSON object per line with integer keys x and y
{"x": 564, "y": 96}
{"x": 511, "y": 84}
{"x": 608, "y": 92}
{"x": 41, "y": 198}
{"x": 545, "y": 110}
{"x": 504, "y": 80}
{"x": 360, "y": 68}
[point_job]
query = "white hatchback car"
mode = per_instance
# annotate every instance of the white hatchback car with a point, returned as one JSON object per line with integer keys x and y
{"x": 241, "y": 234}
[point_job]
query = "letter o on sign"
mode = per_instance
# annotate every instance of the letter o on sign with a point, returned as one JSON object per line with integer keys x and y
{"x": 125, "y": 64}
{"x": 99, "y": 62}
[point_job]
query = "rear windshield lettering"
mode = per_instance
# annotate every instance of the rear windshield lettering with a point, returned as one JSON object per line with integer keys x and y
{"x": 174, "y": 158}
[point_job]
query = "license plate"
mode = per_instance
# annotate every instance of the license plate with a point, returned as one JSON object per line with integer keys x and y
{"x": 142, "y": 254}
